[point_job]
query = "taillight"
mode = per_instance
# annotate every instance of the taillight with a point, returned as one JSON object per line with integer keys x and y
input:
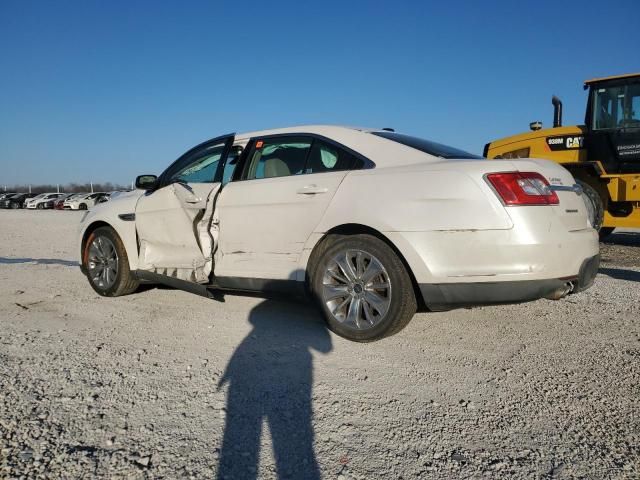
{"x": 522, "y": 188}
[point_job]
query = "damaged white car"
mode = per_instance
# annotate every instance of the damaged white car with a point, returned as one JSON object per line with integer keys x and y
{"x": 372, "y": 224}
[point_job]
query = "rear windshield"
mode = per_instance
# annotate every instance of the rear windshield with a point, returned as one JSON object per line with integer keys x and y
{"x": 426, "y": 146}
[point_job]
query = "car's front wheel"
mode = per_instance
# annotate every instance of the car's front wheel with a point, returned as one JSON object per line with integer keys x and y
{"x": 106, "y": 264}
{"x": 82, "y": 206}
{"x": 362, "y": 287}
{"x": 40, "y": 206}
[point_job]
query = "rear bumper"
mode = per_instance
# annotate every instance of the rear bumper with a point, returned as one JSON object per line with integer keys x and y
{"x": 446, "y": 296}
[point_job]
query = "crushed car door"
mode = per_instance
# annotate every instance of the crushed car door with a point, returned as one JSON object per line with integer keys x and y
{"x": 174, "y": 221}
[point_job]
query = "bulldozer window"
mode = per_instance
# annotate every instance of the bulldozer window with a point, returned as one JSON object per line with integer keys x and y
{"x": 617, "y": 107}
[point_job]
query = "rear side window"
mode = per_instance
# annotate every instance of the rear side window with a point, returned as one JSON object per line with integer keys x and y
{"x": 427, "y": 146}
{"x": 327, "y": 158}
{"x": 279, "y": 157}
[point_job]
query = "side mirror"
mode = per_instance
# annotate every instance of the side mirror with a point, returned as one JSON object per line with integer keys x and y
{"x": 146, "y": 182}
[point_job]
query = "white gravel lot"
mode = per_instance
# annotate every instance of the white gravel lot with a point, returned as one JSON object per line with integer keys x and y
{"x": 144, "y": 386}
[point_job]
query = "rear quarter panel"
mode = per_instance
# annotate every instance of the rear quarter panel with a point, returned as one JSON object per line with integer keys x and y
{"x": 446, "y": 196}
{"x": 443, "y": 197}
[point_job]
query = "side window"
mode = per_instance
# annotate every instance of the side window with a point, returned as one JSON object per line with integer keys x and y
{"x": 635, "y": 107}
{"x": 327, "y": 158}
{"x": 279, "y": 157}
{"x": 230, "y": 165}
{"x": 201, "y": 169}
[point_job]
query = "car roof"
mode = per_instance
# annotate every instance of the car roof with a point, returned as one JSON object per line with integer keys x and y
{"x": 325, "y": 130}
{"x": 381, "y": 151}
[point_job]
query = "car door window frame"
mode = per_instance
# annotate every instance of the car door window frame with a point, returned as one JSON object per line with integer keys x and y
{"x": 242, "y": 168}
{"x": 195, "y": 154}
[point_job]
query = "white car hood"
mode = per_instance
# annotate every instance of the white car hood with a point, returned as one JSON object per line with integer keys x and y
{"x": 122, "y": 203}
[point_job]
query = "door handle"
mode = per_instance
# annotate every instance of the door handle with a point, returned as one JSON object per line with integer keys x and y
{"x": 311, "y": 190}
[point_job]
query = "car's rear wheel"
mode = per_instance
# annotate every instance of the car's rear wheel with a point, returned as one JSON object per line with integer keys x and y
{"x": 15, "y": 206}
{"x": 106, "y": 264}
{"x": 362, "y": 288}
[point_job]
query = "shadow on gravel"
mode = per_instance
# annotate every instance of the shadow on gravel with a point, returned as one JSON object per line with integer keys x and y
{"x": 270, "y": 376}
{"x": 39, "y": 261}
{"x": 628, "y": 239}
{"x": 621, "y": 274}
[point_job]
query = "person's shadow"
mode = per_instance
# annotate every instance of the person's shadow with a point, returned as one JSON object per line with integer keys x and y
{"x": 270, "y": 377}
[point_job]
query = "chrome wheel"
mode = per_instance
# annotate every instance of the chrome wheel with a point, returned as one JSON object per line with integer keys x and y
{"x": 356, "y": 289}
{"x": 102, "y": 262}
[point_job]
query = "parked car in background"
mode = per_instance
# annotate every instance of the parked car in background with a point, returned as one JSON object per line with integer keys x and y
{"x": 105, "y": 198}
{"x": 16, "y": 201}
{"x": 58, "y": 203}
{"x": 41, "y": 201}
{"x": 52, "y": 202}
{"x": 36, "y": 197}
{"x": 371, "y": 223}
{"x": 4, "y": 195}
{"x": 83, "y": 202}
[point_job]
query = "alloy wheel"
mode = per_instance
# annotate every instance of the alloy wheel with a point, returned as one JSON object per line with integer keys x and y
{"x": 102, "y": 262}
{"x": 356, "y": 289}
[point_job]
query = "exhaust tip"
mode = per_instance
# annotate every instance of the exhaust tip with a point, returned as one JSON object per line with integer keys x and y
{"x": 561, "y": 292}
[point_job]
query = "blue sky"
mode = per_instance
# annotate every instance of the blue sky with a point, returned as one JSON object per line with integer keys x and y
{"x": 104, "y": 90}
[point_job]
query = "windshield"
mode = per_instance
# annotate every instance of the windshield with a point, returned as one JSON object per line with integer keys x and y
{"x": 616, "y": 106}
{"x": 427, "y": 146}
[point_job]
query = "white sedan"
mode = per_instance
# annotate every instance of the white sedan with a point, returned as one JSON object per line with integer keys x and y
{"x": 40, "y": 201}
{"x": 83, "y": 202}
{"x": 372, "y": 224}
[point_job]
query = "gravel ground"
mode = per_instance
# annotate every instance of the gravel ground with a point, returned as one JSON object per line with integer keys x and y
{"x": 164, "y": 384}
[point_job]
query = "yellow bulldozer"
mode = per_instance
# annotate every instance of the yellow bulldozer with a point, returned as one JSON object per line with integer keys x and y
{"x": 603, "y": 154}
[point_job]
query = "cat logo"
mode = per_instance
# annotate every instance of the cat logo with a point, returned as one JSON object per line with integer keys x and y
{"x": 569, "y": 142}
{"x": 574, "y": 142}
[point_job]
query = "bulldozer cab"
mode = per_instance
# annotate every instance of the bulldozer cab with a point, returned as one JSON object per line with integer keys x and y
{"x": 613, "y": 123}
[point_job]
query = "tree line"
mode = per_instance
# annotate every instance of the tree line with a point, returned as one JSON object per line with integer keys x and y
{"x": 67, "y": 188}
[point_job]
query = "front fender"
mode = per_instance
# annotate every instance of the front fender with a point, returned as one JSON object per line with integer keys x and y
{"x": 119, "y": 214}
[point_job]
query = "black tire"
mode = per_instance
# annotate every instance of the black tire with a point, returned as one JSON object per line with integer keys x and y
{"x": 402, "y": 301}
{"x": 605, "y": 232}
{"x": 15, "y": 206}
{"x": 82, "y": 206}
{"x": 125, "y": 282}
{"x": 594, "y": 203}
{"x": 40, "y": 206}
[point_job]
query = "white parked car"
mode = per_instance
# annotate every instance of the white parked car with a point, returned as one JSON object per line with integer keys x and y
{"x": 83, "y": 202}
{"x": 371, "y": 223}
{"x": 41, "y": 201}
